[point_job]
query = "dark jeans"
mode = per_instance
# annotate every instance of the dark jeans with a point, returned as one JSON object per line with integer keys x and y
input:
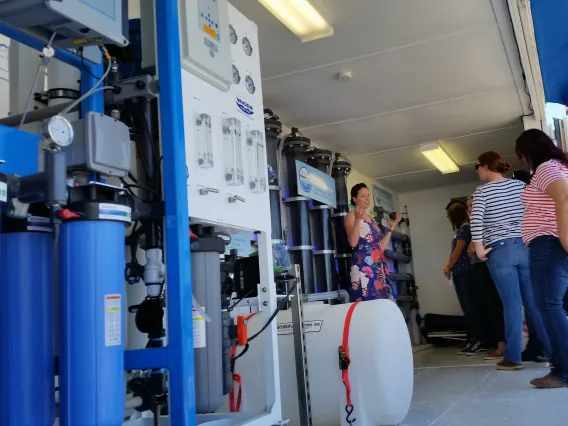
{"x": 549, "y": 274}
{"x": 467, "y": 296}
{"x": 509, "y": 265}
{"x": 490, "y": 305}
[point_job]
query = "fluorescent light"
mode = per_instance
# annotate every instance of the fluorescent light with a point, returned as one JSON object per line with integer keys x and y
{"x": 300, "y": 17}
{"x": 438, "y": 157}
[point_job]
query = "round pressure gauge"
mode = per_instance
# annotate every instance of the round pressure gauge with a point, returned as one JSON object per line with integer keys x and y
{"x": 250, "y": 85}
{"x": 236, "y": 75}
{"x": 57, "y": 132}
{"x": 247, "y": 46}
{"x": 233, "y": 35}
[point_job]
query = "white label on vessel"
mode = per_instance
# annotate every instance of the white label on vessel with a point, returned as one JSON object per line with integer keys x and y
{"x": 39, "y": 224}
{"x": 313, "y": 326}
{"x": 115, "y": 212}
{"x": 3, "y": 191}
{"x": 113, "y": 320}
{"x": 199, "y": 336}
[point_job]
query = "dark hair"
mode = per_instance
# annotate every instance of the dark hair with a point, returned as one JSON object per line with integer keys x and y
{"x": 536, "y": 147}
{"x": 494, "y": 162}
{"x": 522, "y": 175}
{"x": 454, "y": 201}
{"x": 457, "y": 213}
{"x": 355, "y": 191}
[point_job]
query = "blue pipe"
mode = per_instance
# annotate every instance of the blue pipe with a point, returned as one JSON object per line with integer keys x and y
{"x": 27, "y": 393}
{"x": 91, "y": 329}
{"x": 146, "y": 359}
{"x": 37, "y": 44}
{"x": 95, "y": 102}
{"x": 180, "y": 327}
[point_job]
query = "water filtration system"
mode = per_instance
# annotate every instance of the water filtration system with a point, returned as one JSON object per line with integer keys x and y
{"x": 100, "y": 326}
{"x": 343, "y": 253}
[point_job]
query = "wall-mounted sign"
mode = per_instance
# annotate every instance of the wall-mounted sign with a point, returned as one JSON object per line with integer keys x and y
{"x": 383, "y": 199}
{"x": 315, "y": 184}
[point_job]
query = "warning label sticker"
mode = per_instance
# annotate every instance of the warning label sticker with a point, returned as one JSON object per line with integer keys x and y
{"x": 3, "y": 191}
{"x": 199, "y": 335}
{"x": 313, "y": 326}
{"x": 113, "y": 320}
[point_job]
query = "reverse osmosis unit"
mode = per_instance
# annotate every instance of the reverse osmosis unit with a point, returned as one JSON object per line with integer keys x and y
{"x": 116, "y": 215}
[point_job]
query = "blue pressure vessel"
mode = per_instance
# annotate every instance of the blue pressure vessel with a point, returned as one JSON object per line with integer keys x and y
{"x": 91, "y": 330}
{"x": 27, "y": 393}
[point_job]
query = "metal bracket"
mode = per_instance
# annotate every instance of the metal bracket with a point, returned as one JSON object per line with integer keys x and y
{"x": 304, "y": 403}
{"x": 144, "y": 86}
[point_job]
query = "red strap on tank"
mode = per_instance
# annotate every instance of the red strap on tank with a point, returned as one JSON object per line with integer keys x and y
{"x": 237, "y": 380}
{"x": 345, "y": 360}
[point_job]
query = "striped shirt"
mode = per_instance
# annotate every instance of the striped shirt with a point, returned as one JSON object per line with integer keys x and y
{"x": 540, "y": 209}
{"x": 497, "y": 211}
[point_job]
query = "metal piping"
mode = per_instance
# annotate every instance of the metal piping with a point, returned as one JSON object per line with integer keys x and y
{"x": 37, "y": 115}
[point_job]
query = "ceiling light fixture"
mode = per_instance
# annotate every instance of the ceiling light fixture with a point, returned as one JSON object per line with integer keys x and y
{"x": 438, "y": 157}
{"x": 300, "y": 17}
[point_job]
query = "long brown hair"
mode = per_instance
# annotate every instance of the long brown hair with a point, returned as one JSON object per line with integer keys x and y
{"x": 494, "y": 162}
{"x": 457, "y": 213}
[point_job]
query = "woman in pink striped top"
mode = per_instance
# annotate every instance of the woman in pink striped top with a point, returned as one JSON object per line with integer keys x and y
{"x": 545, "y": 231}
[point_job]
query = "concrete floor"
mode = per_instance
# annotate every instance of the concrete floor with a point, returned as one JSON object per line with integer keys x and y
{"x": 454, "y": 390}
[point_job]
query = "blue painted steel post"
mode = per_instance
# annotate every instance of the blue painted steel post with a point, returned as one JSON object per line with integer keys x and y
{"x": 180, "y": 328}
{"x": 95, "y": 102}
{"x": 26, "y": 317}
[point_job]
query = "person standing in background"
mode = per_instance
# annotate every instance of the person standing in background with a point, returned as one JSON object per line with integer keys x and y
{"x": 496, "y": 232}
{"x": 545, "y": 231}
{"x": 369, "y": 271}
{"x": 459, "y": 269}
{"x": 487, "y": 299}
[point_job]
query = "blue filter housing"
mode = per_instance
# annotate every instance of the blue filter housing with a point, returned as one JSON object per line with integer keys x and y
{"x": 91, "y": 330}
{"x": 27, "y": 394}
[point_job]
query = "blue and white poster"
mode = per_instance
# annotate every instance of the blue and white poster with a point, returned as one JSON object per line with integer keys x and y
{"x": 383, "y": 199}
{"x": 315, "y": 184}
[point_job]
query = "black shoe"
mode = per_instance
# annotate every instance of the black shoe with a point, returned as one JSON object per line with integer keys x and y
{"x": 466, "y": 349}
{"x": 476, "y": 349}
{"x": 533, "y": 358}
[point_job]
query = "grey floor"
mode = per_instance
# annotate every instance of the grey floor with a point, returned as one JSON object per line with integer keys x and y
{"x": 453, "y": 390}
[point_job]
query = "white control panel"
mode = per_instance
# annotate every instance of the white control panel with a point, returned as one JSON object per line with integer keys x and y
{"x": 225, "y": 141}
{"x": 205, "y": 40}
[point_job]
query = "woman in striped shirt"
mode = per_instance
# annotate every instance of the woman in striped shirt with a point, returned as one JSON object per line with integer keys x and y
{"x": 545, "y": 232}
{"x": 496, "y": 232}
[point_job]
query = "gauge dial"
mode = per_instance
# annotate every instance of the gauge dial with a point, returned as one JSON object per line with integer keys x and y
{"x": 233, "y": 35}
{"x": 250, "y": 85}
{"x": 236, "y": 75}
{"x": 247, "y": 46}
{"x": 57, "y": 132}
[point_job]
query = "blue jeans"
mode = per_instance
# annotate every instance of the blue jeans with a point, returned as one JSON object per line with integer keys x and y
{"x": 509, "y": 265}
{"x": 549, "y": 274}
{"x": 466, "y": 289}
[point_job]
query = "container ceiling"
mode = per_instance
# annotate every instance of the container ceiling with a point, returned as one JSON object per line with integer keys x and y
{"x": 423, "y": 71}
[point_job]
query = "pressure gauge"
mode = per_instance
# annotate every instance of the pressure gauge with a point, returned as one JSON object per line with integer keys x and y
{"x": 250, "y": 85}
{"x": 247, "y": 46}
{"x": 236, "y": 75}
{"x": 233, "y": 35}
{"x": 57, "y": 133}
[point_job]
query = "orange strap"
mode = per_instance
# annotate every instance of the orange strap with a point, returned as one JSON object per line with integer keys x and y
{"x": 345, "y": 360}
{"x": 237, "y": 380}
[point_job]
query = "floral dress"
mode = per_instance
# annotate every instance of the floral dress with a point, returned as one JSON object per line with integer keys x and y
{"x": 369, "y": 272}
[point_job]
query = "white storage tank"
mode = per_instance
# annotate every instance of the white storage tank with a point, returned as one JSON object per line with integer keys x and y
{"x": 381, "y": 370}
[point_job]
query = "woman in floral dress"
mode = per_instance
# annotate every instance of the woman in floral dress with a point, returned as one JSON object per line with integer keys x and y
{"x": 369, "y": 271}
